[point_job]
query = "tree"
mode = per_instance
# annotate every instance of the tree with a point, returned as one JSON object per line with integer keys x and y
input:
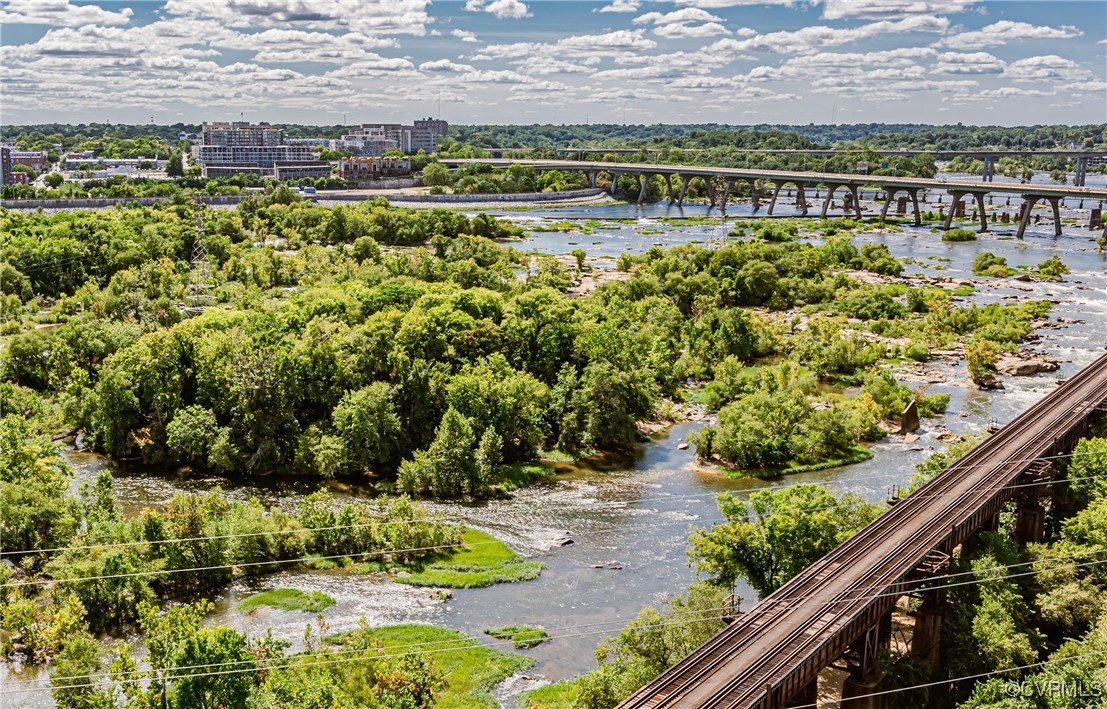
{"x": 175, "y": 166}
{"x": 448, "y": 468}
{"x": 225, "y": 670}
{"x": 54, "y": 180}
{"x": 981, "y": 358}
{"x": 788, "y": 529}
{"x": 436, "y": 174}
{"x": 368, "y": 426}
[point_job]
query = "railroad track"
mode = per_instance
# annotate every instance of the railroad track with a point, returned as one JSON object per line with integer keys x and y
{"x": 770, "y": 652}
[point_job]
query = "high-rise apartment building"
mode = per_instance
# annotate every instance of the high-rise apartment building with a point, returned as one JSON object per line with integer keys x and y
{"x": 426, "y": 133}
{"x": 231, "y": 148}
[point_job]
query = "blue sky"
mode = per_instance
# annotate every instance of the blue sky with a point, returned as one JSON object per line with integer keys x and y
{"x": 538, "y": 61}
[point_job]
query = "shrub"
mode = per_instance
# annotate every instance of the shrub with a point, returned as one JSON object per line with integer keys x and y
{"x": 958, "y": 235}
{"x": 988, "y": 264}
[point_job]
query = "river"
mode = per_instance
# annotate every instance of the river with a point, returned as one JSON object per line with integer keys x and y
{"x": 636, "y": 513}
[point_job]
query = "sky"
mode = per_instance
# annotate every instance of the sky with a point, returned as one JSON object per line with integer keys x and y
{"x": 554, "y": 61}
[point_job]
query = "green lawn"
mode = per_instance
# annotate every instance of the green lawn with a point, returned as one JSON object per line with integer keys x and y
{"x": 468, "y": 674}
{"x": 482, "y": 561}
{"x": 287, "y": 599}
{"x": 523, "y": 636}
{"x": 562, "y": 695}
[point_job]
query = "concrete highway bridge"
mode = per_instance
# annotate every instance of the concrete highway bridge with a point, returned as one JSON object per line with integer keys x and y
{"x": 989, "y": 158}
{"x": 840, "y": 607}
{"x": 720, "y": 183}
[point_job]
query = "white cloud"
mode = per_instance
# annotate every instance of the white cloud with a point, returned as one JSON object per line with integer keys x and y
{"x": 464, "y": 35}
{"x": 716, "y": 4}
{"x": 681, "y": 30}
{"x": 59, "y": 13}
{"x": 688, "y": 14}
{"x": 445, "y": 65}
{"x": 813, "y": 37}
{"x": 588, "y": 47}
{"x": 968, "y": 63}
{"x": 621, "y": 6}
{"x": 1046, "y": 68}
{"x": 887, "y": 9}
{"x": 804, "y": 67}
{"x": 1006, "y": 31}
{"x": 369, "y": 16}
{"x": 501, "y": 9}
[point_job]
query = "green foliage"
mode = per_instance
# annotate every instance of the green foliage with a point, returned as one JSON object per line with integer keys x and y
{"x": 988, "y": 264}
{"x": 522, "y": 636}
{"x": 981, "y": 357}
{"x": 1053, "y": 268}
{"x": 958, "y": 235}
{"x": 287, "y": 599}
{"x": 776, "y": 534}
{"x": 481, "y": 561}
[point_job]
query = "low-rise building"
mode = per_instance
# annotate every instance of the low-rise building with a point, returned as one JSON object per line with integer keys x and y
{"x": 359, "y": 171}
{"x": 310, "y": 169}
{"x": 34, "y": 159}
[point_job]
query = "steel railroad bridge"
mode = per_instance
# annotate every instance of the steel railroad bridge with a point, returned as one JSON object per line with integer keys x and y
{"x": 721, "y": 181}
{"x": 840, "y": 606}
{"x": 988, "y": 158}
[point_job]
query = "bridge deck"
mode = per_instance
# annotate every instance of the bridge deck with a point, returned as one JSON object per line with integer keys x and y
{"x": 793, "y": 176}
{"x": 768, "y": 654}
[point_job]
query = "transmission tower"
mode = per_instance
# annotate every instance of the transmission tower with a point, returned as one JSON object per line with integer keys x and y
{"x": 199, "y": 277}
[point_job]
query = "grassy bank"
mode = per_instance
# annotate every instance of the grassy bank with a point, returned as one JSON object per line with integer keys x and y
{"x": 523, "y": 636}
{"x": 856, "y": 454}
{"x": 562, "y": 695}
{"x": 287, "y": 599}
{"x": 481, "y": 560}
{"x": 468, "y": 670}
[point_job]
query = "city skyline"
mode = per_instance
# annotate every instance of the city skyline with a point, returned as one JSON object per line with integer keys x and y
{"x": 510, "y": 61}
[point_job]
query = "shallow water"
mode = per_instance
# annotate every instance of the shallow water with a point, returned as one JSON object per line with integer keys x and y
{"x": 637, "y": 513}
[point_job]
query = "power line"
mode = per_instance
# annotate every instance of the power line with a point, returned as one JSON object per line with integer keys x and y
{"x": 798, "y": 601}
{"x": 981, "y": 675}
{"x": 747, "y": 503}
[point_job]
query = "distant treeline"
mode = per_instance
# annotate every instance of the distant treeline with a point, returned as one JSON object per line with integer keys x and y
{"x": 871, "y": 135}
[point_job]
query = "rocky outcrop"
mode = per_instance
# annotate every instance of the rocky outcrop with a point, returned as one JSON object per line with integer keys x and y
{"x": 1025, "y": 365}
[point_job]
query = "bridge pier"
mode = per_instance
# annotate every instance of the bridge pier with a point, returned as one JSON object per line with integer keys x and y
{"x": 864, "y": 676}
{"x": 830, "y": 190}
{"x": 669, "y": 187}
{"x": 614, "y": 182}
{"x": 643, "y": 180}
{"x": 1081, "y": 176}
{"x": 711, "y": 194}
{"x": 801, "y": 198}
{"x": 776, "y": 193}
{"x": 684, "y": 180}
{"x": 856, "y": 201}
{"x": 806, "y": 697}
{"x": 755, "y": 196}
{"x": 1028, "y": 202}
{"x": 959, "y": 195}
{"x": 726, "y": 194}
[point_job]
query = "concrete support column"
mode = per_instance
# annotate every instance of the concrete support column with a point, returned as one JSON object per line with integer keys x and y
{"x": 591, "y": 179}
{"x": 1024, "y": 214}
{"x": 669, "y": 187}
{"x": 983, "y": 215}
{"x": 830, "y": 189}
{"x": 926, "y": 640}
{"x": 726, "y": 194}
{"x": 710, "y": 191}
{"x": 1081, "y": 172}
{"x": 801, "y": 198}
{"x": 889, "y": 193}
{"x": 856, "y": 201}
{"x": 614, "y": 182}
{"x": 684, "y": 180}
{"x": 1055, "y": 202}
{"x": 957, "y": 196}
{"x": 643, "y": 181}
{"x": 915, "y": 202}
{"x": 776, "y": 193}
{"x": 755, "y": 195}
{"x": 1030, "y": 523}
